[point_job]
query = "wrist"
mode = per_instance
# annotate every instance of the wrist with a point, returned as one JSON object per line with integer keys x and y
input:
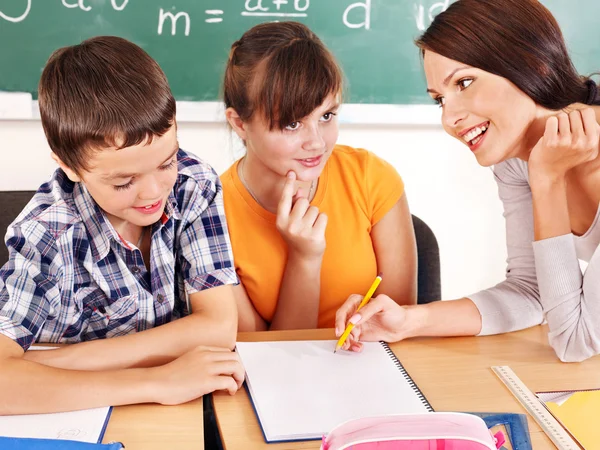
{"x": 306, "y": 260}
{"x": 415, "y": 322}
{"x": 153, "y": 381}
{"x": 540, "y": 179}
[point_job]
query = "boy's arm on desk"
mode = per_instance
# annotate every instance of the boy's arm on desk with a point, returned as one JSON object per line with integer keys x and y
{"x": 213, "y": 323}
{"x": 27, "y": 387}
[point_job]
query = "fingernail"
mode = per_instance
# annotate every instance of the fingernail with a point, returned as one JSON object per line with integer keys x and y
{"x": 337, "y": 332}
{"x": 290, "y": 174}
{"x": 355, "y": 319}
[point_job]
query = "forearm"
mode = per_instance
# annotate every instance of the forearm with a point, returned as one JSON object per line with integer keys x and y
{"x": 299, "y": 294}
{"x": 550, "y": 208}
{"x": 442, "y": 318}
{"x": 148, "y": 348}
{"x": 27, "y": 387}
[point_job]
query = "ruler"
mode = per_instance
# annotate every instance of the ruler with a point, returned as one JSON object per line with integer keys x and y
{"x": 536, "y": 409}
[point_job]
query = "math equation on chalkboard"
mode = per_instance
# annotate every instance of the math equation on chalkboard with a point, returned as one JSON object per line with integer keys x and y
{"x": 177, "y": 21}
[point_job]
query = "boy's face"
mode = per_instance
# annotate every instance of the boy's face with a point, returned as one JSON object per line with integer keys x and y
{"x": 132, "y": 184}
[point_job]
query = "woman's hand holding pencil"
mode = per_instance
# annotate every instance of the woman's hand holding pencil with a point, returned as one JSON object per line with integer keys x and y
{"x": 381, "y": 319}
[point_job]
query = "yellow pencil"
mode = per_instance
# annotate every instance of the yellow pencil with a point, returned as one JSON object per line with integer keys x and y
{"x": 364, "y": 301}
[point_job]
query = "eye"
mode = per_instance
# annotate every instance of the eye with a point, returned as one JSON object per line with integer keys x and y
{"x": 293, "y": 126}
{"x": 169, "y": 165}
{"x": 123, "y": 187}
{"x": 464, "y": 83}
{"x": 328, "y": 116}
{"x": 439, "y": 100}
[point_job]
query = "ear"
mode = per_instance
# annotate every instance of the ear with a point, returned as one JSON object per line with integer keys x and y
{"x": 70, "y": 173}
{"x": 236, "y": 122}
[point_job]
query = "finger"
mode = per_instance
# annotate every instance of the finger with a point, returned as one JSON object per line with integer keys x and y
{"x": 345, "y": 312}
{"x": 380, "y": 304}
{"x": 576, "y": 126}
{"x": 209, "y": 348}
{"x": 320, "y": 224}
{"x": 299, "y": 210}
{"x": 239, "y": 375}
{"x": 551, "y": 130}
{"x": 225, "y": 383}
{"x": 590, "y": 124}
{"x": 357, "y": 347}
{"x": 285, "y": 203}
{"x": 564, "y": 127}
{"x": 298, "y": 195}
{"x": 310, "y": 216}
{"x": 355, "y": 334}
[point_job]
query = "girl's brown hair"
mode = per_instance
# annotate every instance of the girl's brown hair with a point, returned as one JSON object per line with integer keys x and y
{"x": 516, "y": 39}
{"x": 280, "y": 70}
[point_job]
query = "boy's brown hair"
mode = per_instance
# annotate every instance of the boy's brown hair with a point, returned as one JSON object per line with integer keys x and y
{"x": 104, "y": 92}
{"x": 280, "y": 70}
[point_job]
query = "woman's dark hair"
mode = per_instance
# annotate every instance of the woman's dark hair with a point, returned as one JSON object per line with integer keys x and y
{"x": 516, "y": 39}
{"x": 280, "y": 70}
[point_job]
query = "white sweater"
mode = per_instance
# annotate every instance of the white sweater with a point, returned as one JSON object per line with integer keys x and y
{"x": 543, "y": 278}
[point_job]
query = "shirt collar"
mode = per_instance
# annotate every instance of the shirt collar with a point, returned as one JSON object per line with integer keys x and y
{"x": 100, "y": 230}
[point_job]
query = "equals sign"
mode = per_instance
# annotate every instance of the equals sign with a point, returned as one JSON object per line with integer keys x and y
{"x": 214, "y": 12}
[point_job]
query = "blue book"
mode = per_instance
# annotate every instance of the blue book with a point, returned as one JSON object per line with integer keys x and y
{"x": 8, "y": 443}
{"x": 513, "y": 426}
{"x": 71, "y": 430}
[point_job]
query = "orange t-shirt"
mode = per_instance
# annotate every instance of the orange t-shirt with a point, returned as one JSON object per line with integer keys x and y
{"x": 356, "y": 189}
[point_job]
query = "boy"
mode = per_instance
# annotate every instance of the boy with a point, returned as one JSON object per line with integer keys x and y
{"x": 127, "y": 229}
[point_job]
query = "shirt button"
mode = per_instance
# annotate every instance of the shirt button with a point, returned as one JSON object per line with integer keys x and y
{"x": 160, "y": 298}
{"x": 135, "y": 269}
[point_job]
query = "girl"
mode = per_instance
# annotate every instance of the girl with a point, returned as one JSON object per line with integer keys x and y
{"x": 501, "y": 73}
{"x": 310, "y": 221}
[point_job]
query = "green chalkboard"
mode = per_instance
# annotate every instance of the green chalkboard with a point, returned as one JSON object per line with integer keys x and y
{"x": 372, "y": 39}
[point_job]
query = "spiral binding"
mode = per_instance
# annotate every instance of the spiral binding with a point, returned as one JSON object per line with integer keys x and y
{"x": 406, "y": 376}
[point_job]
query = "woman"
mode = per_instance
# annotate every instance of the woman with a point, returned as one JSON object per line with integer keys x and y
{"x": 501, "y": 73}
{"x": 310, "y": 221}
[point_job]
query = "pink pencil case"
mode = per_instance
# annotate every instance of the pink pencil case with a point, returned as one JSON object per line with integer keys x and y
{"x": 427, "y": 431}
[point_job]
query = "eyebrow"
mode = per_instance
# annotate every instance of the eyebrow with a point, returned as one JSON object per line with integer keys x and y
{"x": 333, "y": 106}
{"x": 131, "y": 175}
{"x": 448, "y": 78}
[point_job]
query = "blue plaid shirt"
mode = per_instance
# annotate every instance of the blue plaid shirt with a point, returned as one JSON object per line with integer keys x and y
{"x": 71, "y": 277}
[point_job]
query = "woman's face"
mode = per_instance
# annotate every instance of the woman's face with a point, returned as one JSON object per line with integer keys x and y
{"x": 486, "y": 112}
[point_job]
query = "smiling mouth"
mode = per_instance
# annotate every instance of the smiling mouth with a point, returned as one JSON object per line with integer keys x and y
{"x": 475, "y": 134}
{"x": 153, "y": 205}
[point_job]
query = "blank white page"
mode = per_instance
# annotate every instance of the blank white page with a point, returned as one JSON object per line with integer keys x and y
{"x": 85, "y": 426}
{"x": 302, "y": 390}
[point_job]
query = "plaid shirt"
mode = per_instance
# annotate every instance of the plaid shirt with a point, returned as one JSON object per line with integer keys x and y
{"x": 71, "y": 277}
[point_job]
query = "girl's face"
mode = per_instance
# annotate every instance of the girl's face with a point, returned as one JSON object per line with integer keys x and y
{"x": 304, "y": 146}
{"x": 486, "y": 112}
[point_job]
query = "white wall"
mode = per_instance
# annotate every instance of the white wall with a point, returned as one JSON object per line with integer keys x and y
{"x": 445, "y": 186}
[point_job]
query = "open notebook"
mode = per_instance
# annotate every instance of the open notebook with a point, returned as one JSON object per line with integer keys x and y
{"x": 301, "y": 390}
{"x": 578, "y": 413}
{"x": 87, "y": 425}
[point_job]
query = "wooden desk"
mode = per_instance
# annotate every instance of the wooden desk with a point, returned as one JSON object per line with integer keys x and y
{"x": 157, "y": 427}
{"x": 453, "y": 373}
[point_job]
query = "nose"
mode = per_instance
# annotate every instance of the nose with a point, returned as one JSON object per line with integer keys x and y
{"x": 453, "y": 114}
{"x": 150, "y": 188}
{"x": 314, "y": 138}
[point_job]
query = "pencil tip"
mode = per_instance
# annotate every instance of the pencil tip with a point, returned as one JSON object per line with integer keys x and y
{"x": 334, "y": 351}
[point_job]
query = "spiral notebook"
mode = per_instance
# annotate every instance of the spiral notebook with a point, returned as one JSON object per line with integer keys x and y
{"x": 301, "y": 390}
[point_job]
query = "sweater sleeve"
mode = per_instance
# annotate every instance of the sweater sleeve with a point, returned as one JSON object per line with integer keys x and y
{"x": 543, "y": 278}
{"x": 514, "y": 303}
